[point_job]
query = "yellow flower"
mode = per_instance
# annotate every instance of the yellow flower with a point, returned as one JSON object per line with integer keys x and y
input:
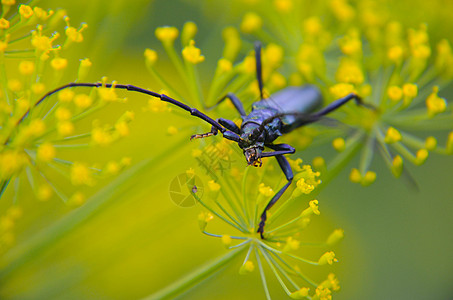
{"x": 4, "y": 24}
{"x": 81, "y": 100}
{"x": 339, "y": 144}
{"x": 25, "y": 11}
{"x": 46, "y": 152}
{"x": 150, "y": 56}
{"x": 192, "y": 54}
{"x": 327, "y": 258}
{"x": 81, "y": 174}
{"x": 167, "y": 34}
{"x": 59, "y": 63}
{"x": 435, "y": 104}
{"x": 251, "y": 22}
{"x": 335, "y": 236}
{"x": 392, "y": 136}
{"x": 26, "y": 67}
{"x": 247, "y": 267}
{"x": 72, "y": 33}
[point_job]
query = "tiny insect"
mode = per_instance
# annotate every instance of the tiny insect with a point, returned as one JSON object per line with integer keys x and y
{"x": 194, "y": 189}
{"x": 288, "y": 109}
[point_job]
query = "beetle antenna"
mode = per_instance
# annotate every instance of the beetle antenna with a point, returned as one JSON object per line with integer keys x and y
{"x": 193, "y": 111}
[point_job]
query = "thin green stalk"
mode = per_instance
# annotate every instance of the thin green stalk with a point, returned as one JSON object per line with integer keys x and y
{"x": 310, "y": 262}
{"x": 412, "y": 140}
{"x": 232, "y": 202}
{"x": 4, "y": 79}
{"x": 295, "y": 220}
{"x": 282, "y": 208}
{"x": 426, "y": 77}
{"x": 240, "y": 244}
{"x": 178, "y": 63}
{"x": 219, "y": 215}
{"x": 300, "y": 274}
{"x": 73, "y": 146}
{"x": 283, "y": 285}
{"x": 194, "y": 83}
{"x": 340, "y": 161}
{"x": 248, "y": 253}
{"x": 263, "y": 277}
{"x": 406, "y": 153}
{"x": 271, "y": 260}
{"x": 244, "y": 197}
{"x": 3, "y": 187}
{"x": 16, "y": 190}
{"x": 73, "y": 137}
{"x": 163, "y": 83}
{"x": 218, "y": 84}
{"x": 367, "y": 153}
{"x": 227, "y": 213}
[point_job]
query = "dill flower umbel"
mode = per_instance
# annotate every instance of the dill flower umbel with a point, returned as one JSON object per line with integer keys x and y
{"x": 235, "y": 197}
{"x": 35, "y": 135}
{"x": 358, "y": 46}
{"x": 344, "y": 48}
{"x": 235, "y": 202}
{"x": 229, "y": 77}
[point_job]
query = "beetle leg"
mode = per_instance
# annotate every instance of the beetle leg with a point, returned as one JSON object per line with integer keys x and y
{"x": 230, "y": 125}
{"x": 233, "y": 134}
{"x": 280, "y": 149}
{"x": 259, "y": 70}
{"x": 340, "y": 102}
{"x": 213, "y": 131}
{"x": 230, "y": 135}
{"x": 235, "y": 100}
{"x": 286, "y": 168}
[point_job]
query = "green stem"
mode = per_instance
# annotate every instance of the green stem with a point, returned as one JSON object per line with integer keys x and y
{"x": 367, "y": 153}
{"x": 4, "y": 79}
{"x": 194, "y": 83}
{"x": 341, "y": 160}
{"x": 232, "y": 201}
{"x": 164, "y": 84}
{"x": 282, "y": 283}
{"x": 310, "y": 262}
{"x": 300, "y": 274}
{"x": 3, "y": 186}
{"x": 263, "y": 277}
{"x": 271, "y": 261}
{"x": 238, "y": 227}
{"x": 246, "y": 204}
{"x": 295, "y": 220}
{"x": 189, "y": 281}
{"x": 218, "y": 85}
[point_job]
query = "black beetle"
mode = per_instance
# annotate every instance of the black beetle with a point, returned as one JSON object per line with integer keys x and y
{"x": 289, "y": 109}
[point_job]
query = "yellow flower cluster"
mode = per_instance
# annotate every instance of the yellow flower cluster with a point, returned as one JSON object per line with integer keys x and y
{"x": 282, "y": 240}
{"x": 35, "y": 132}
{"x": 391, "y": 67}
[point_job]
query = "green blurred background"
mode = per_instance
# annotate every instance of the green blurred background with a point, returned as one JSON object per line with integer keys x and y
{"x": 133, "y": 241}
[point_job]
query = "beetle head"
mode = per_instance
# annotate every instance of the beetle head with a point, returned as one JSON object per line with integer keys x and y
{"x": 252, "y": 143}
{"x": 253, "y": 156}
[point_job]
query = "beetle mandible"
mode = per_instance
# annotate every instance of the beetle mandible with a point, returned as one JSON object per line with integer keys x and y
{"x": 289, "y": 109}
